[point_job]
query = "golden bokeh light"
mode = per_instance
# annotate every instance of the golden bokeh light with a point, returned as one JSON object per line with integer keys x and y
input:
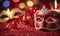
{"x": 22, "y": 5}
{"x": 29, "y": 3}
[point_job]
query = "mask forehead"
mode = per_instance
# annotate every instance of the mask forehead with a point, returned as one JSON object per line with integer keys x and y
{"x": 54, "y": 14}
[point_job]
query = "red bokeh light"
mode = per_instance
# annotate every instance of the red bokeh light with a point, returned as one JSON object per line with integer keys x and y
{"x": 16, "y": 1}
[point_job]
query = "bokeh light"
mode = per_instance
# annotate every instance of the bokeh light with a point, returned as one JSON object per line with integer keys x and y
{"x": 22, "y": 5}
{"x": 29, "y": 3}
{"x": 16, "y": 1}
{"x": 6, "y": 3}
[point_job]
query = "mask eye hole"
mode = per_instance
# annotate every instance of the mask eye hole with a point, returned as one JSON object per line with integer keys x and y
{"x": 39, "y": 19}
{"x": 3, "y": 16}
{"x": 50, "y": 20}
{"x": 17, "y": 13}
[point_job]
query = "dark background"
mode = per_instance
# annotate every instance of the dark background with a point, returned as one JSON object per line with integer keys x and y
{"x": 36, "y": 4}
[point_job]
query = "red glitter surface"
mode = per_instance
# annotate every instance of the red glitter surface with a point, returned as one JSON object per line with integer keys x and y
{"x": 24, "y": 29}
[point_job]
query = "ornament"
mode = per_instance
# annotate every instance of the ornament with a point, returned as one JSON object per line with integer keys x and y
{"x": 48, "y": 19}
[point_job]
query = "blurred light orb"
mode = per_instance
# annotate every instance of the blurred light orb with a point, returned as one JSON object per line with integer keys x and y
{"x": 6, "y": 3}
{"x": 30, "y": 8}
{"x": 16, "y": 1}
{"x": 29, "y": 3}
{"x": 22, "y": 5}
